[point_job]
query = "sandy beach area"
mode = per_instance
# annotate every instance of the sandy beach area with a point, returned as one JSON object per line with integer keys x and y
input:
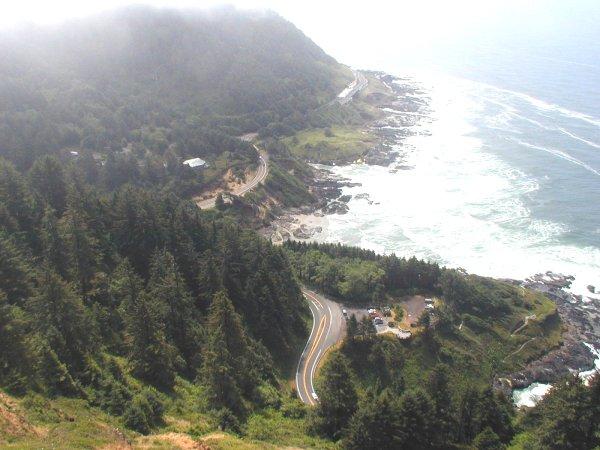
{"x": 296, "y": 225}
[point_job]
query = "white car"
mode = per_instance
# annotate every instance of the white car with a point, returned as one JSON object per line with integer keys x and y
{"x": 315, "y": 396}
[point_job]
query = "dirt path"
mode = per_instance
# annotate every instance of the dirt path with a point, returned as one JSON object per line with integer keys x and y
{"x": 259, "y": 177}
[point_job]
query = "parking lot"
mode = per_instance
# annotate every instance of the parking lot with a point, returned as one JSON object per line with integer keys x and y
{"x": 380, "y": 320}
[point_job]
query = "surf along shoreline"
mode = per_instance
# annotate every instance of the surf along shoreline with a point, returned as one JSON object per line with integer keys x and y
{"x": 402, "y": 110}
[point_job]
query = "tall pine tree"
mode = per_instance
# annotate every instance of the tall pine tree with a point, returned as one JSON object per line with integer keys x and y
{"x": 337, "y": 397}
{"x": 168, "y": 287}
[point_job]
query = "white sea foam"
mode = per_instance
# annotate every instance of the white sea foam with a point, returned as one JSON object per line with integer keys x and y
{"x": 545, "y": 106}
{"x": 530, "y": 395}
{"x": 508, "y": 112}
{"x": 560, "y": 154}
{"x": 587, "y": 375}
{"x": 578, "y": 138}
{"x": 460, "y": 205}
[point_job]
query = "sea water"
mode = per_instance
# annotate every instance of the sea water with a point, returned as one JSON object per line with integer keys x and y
{"x": 501, "y": 176}
{"x": 493, "y": 180}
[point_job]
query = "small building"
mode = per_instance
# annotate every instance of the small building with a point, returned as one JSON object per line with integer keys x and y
{"x": 195, "y": 162}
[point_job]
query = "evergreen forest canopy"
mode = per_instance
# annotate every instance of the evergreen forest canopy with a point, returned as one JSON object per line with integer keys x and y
{"x": 157, "y": 80}
{"x": 117, "y": 293}
{"x": 95, "y": 289}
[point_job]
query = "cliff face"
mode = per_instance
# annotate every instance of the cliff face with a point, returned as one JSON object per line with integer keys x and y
{"x": 581, "y": 330}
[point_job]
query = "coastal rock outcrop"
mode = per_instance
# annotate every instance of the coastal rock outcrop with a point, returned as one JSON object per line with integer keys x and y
{"x": 336, "y": 208}
{"x": 581, "y": 317}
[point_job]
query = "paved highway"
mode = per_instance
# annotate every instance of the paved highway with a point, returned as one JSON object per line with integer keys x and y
{"x": 259, "y": 177}
{"x": 359, "y": 83}
{"x": 328, "y": 328}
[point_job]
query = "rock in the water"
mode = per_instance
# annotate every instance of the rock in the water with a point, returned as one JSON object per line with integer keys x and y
{"x": 582, "y": 325}
{"x": 592, "y": 289}
{"x": 345, "y": 198}
{"x": 336, "y": 207}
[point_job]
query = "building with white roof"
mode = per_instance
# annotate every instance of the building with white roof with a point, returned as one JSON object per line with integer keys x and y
{"x": 195, "y": 162}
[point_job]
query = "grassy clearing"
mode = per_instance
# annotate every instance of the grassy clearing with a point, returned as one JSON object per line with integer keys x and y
{"x": 338, "y": 143}
{"x": 375, "y": 92}
{"x": 273, "y": 427}
{"x": 63, "y": 424}
{"x": 475, "y": 352}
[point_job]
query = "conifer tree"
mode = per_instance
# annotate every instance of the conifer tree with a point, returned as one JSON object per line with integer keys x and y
{"x": 125, "y": 286}
{"x": 416, "y": 429}
{"x": 48, "y": 180}
{"x": 54, "y": 248}
{"x": 337, "y": 397}
{"x": 594, "y": 409}
{"x": 152, "y": 357}
{"x": 467, "y": 416}
{"x": 375, "y": 424}
{"x": 439, "y": 390}
{"x": 352, "y": 327}
{"x": 225, "y": 356}
{"x": 569, "y": 417}
{"x": 61, "y": 320}
{"x": 367, "y": 328}
{"x": 488, "y": 440}
{"x": 18, "y": 204}
{"x": 168, "y": 287}
{"x": 218, "y": 374}
{"x": 82, "y": 248}
{"x": 495, "y": 412}
{"x": 15, "y": 273}
{"x": 14, "y": 357}
{"x": 208, "y": 280}
{"x": 223, "y": 314}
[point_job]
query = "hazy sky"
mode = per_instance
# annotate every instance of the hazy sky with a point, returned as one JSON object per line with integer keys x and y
{"x": 373, "y": 32}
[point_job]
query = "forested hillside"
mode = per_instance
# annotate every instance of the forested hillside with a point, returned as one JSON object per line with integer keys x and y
{"x": 434, "y": 390}
{"x": 153, "y": 81}
{"x": 99, "y": 292}
{"x": 129, "y": 318}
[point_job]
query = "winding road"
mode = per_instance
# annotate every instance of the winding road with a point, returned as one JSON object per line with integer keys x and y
{"x": 328, "y": 328}
{"x": 359, "y": 83}
{"x": 259, "y": 177}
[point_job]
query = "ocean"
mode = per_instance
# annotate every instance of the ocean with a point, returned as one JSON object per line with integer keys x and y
{"x": 501, "y": 175}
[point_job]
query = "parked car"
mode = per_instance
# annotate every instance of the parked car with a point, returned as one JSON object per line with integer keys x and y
{"x": 378, "y": 321}
{"x": 315, "y": 396}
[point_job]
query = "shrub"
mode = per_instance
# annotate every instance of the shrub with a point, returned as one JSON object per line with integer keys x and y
{"x": 144, "y": 411}
{"x": 226, "y": 420}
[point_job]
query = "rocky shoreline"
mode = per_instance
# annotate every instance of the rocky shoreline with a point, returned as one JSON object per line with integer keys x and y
{"x": 402, "y": 113}
{"x": 579, "y": 314}
{"x": 581, "y": 318}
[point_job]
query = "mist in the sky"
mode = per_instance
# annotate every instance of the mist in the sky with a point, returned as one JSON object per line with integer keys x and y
{"x": 514, "y": 88}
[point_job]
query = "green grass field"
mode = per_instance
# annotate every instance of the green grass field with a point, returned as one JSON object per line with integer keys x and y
{"x": 344, "y": 143}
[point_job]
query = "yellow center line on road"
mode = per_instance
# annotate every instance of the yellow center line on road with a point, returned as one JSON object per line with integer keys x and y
{"x": 314, "y": 365}
{"x": 313, "y": 298}
{"x": 312, "y": 351}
